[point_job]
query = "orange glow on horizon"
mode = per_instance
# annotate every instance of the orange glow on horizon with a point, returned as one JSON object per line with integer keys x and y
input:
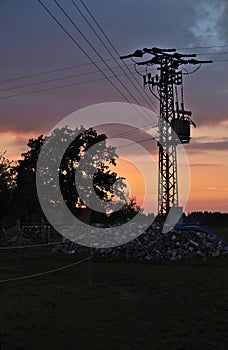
{"x": 209, "y": 169}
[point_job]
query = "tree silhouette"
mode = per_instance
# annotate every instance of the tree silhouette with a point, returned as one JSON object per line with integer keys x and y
{"x": 77, "y": 144}
{"x": 7, "y": 184}
{"x": 25, "y": 201}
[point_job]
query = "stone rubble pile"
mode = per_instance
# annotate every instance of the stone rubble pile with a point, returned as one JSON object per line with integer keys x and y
{"x": 153, "y": 245}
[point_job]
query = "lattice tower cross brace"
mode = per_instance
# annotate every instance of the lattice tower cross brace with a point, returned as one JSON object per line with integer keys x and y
{"x": 167, "y": 177}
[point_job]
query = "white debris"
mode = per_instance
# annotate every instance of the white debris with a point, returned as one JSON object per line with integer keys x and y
{"x": 154, "y": 245}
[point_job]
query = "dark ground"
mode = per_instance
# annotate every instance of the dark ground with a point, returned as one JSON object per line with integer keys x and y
{"x": 98, "y": 305}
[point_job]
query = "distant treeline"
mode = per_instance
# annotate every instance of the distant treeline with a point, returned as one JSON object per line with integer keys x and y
{"x": 207, "y": 218}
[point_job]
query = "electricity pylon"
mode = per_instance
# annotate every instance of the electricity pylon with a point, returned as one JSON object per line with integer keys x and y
{"x": 174, "y": 122}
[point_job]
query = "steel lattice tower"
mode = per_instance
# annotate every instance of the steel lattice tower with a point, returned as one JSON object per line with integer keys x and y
{"x": 167, "y": 176}
{"x": 171, "y": 119}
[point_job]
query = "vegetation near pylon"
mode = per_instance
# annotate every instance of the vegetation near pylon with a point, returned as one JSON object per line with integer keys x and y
{"x": 18, "y": 181}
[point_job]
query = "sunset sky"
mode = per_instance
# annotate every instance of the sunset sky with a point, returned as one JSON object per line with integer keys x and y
{"x": 32, "y": 43}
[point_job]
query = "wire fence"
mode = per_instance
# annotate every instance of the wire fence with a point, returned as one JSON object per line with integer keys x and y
{"x": 29, "y": 246}
{"x": 45, "y": 272}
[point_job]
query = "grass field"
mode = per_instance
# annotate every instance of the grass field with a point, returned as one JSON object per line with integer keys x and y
{"x": 221, "y": 231}
{"x": 99, "y": 305}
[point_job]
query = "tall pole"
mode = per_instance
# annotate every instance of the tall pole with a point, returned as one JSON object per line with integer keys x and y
{"x": 167, "y": 176}
{"x": 174, "y": 123}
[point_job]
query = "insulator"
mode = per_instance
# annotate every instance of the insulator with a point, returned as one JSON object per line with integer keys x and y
{"x": 144, "y": 80}
{"x": 180, "y": 55}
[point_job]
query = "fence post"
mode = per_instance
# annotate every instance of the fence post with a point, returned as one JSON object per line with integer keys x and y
{"x": 19, "y": 228}
{"x": 44, "y": 231}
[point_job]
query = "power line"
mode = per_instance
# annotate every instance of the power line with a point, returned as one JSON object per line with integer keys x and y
{"x": 141, "y": 141}
{"x": 71, "y": 67}
{"x": 113, "y": 47}
{"x": 58, "y": 87}
{"x": 79, "y": 46}
{"x": 202, "y": 47}
{"x": 68, "y": 85}
{"x": 131, "y": 132}
{"x": 212, "y": 53}
{"x": 107, "y": 59}
{"x": 86, "y": 54}
{"x": 99, "y": 55}
{"x": 54, "y": 79}
{"x": 50, "y": 71}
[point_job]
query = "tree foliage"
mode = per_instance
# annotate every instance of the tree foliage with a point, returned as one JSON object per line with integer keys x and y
{"x": 95, "y": 172}
{"x": 7, "y": 184}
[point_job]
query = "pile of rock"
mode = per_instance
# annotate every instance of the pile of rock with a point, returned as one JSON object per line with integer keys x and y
{"x": 156, "y": 246}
